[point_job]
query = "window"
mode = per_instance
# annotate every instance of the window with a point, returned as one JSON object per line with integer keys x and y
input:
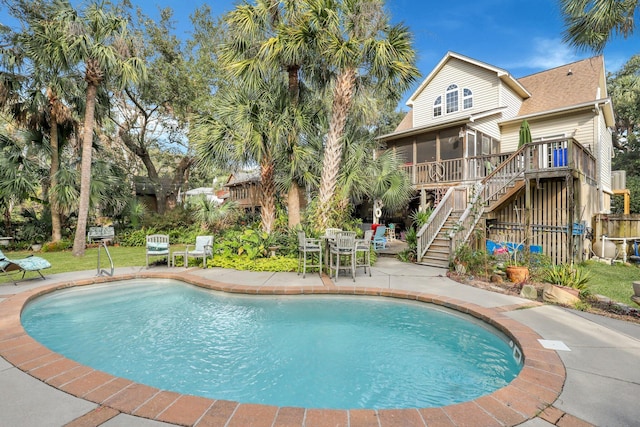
{"x": 437, "y": 107}
{"x": 452, "y": 99}
{"x": 467, "y": 99}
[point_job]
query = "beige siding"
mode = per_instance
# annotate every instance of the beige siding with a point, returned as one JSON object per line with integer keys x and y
{"x": 483, "y": 83}
{"x": 511, "y": 100}
{"x": 488, "y": 126}
{"x": 580, "y": 126}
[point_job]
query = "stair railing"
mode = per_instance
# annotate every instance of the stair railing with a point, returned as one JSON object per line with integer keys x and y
{"x": 428, "y": 232}
{"x": 490, "y": 189}
{"x": 497, "y": 183}
{"x": 467, "y": 222}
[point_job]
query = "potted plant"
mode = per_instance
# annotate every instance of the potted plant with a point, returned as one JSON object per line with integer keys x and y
{"x": 462, "y": 257}
{"x": 517, "y": 266}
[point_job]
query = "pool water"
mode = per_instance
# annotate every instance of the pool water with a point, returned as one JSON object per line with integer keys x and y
{"x": 305, "y": 351}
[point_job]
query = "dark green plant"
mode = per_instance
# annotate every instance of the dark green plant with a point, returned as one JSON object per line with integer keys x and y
{"x": 420, "y": 218}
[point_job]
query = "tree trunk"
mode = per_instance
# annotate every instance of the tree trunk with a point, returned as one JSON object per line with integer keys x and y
{"x": 293, "y": 204}
{"x": 85, "y": 172}
{"x": 268, "y": 195}
{"x": 143, "y": 154}
{"x": 56, "y": 223}
{"x": 342, "y": 96}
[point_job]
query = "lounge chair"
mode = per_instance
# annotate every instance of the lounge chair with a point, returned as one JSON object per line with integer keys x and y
{"x": 30, "y": 263}
{"x": 158, "y": 245}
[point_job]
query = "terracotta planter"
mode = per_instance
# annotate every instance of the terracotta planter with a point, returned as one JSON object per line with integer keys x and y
{"x": 518, "y": 273}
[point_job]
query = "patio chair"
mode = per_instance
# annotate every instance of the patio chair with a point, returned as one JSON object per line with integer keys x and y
{"x": 158, "y": 245}
{"x": 308, "y": 246}
{"x": 343, "y": 246}
{"x": 379, "y": 241}
{"x": 363, "y": 247}
{"x": 30, "y": 263}
{"x": 331, "y": 232}
{"x": 202, "y": 249}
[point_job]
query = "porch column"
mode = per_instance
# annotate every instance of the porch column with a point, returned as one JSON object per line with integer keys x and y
{"x": 423, "y": 200}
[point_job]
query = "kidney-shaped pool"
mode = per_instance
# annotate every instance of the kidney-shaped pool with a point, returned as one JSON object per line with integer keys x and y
{"x": 306, "y": 351}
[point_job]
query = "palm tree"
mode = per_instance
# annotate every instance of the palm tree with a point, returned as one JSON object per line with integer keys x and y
{"x": 242, "y": 132}
{"x": 589, "y": 24}
{"x": 360, "y": 47}
{"x": 19, "y": 176}
{"x": 274, "y": 35}
{"x": 50, "y": 113}
{"x": 98, "y": 41}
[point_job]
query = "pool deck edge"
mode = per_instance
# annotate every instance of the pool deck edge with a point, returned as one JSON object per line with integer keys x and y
{"x": 531, "y": 394}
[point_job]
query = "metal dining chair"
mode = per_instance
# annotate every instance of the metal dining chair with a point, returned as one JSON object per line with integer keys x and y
{"x": 343, "y": 247}
{"x": 308, "y": 246}
{"x": 363, "y": 250}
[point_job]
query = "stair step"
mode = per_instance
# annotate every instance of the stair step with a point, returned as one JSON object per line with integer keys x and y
{"x": 434, "y": 262}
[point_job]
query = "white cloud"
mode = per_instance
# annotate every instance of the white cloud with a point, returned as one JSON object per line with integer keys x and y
{"x": 546, "y": 54}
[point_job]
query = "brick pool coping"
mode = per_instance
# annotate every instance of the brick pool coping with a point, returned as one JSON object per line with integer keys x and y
{"x": 530, "y": 394}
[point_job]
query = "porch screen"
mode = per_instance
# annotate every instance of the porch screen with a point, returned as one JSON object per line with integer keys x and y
{"x": 426, "y": 149}
{"x": 450, "y": 145}
{"x": 405, "y": 153}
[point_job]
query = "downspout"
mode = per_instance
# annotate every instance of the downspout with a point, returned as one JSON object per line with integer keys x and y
{"x": 598, "y": 140}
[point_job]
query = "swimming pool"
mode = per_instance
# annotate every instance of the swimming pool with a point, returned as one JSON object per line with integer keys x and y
{"x": 323, "y": 352}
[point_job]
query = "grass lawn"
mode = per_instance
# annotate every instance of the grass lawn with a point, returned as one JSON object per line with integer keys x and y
{"x": 62, "y": 262}
{"x": 613, "y": 281}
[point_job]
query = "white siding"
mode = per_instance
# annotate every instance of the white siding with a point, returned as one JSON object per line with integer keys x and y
{"x": 483, "y": 83}
{"x": 604, "y": 161}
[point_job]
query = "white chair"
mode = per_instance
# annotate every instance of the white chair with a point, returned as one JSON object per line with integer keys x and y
{"x": 308, "y": 246}
{"x": 363, "y": 247}
{"x": 158, "y": 245}
{"x": 203, "y": 249}
{"x": 343, "y": 246}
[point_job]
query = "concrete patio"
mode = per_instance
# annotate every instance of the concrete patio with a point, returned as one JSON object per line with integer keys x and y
{"x": 601, "y": 387}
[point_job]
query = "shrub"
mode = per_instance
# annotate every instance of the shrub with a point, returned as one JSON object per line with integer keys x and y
{"x": 570, "y": 276}
{"x": 58, "y": 246}
{"x": 244, "y": 262}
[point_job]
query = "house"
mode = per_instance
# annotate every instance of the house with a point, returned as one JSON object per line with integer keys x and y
{"x": 244, "y": 189}
{"x": 460, "y": 146}
{"x": 209, "y": 193}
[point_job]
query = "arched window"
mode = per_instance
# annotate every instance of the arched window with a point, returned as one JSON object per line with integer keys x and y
{"x": 452, "y": 99}
{"x": 467, "y": 99}
{"x": 437, "y": 107}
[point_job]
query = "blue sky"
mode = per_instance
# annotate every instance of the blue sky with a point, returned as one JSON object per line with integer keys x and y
{"x": 521, "y": 36}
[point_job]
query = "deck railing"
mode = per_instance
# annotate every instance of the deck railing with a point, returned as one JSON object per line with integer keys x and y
{"x": 539, "y": 156}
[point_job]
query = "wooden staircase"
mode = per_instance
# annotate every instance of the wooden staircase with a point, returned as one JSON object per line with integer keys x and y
{"x": 437, "y": 254}
{"x": 450, "y": 226}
